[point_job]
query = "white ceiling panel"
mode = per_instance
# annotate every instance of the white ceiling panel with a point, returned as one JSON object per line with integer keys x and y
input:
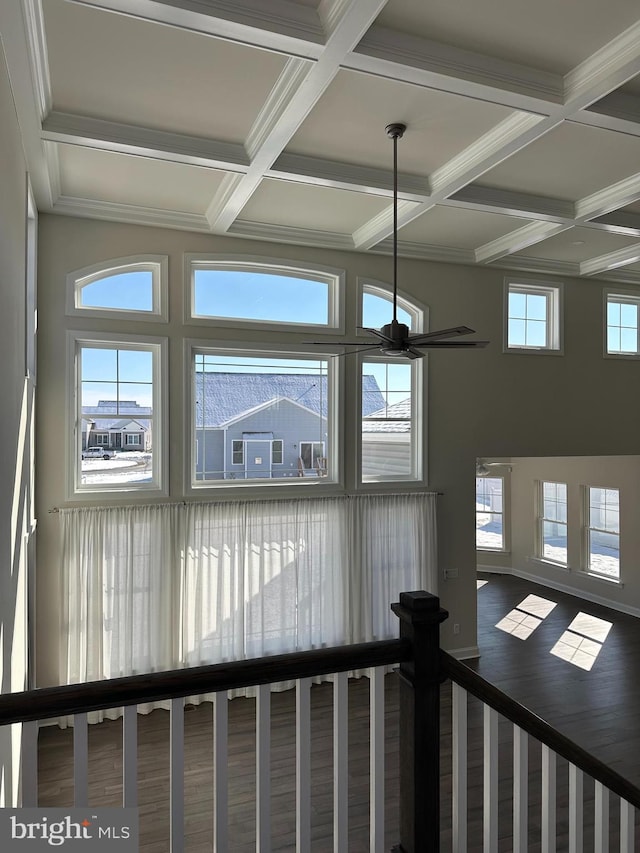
{"x": 579, "y": 244}
{"x": 304, "y": 206}
{"x": 119, "y": 178}
{"x": 122, "y": 69}
{"x": 458, "y": 228}
{"x": 570, "y": 162}
{"x": 548, "y": 35}
{"x": 348, "y": 123}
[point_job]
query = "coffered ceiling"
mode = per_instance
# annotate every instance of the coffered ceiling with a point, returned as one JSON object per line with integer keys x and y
{"x": 266, "y": 120}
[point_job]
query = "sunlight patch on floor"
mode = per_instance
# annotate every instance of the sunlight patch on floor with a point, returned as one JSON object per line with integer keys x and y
{"x": 537, "y": 606}
{"x": 582, "y": 642}
{"x": 519, "y": 624}
{"x": 481, "y": 583}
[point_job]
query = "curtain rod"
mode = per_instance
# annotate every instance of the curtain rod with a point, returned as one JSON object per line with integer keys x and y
{"x": 298, "y": 497}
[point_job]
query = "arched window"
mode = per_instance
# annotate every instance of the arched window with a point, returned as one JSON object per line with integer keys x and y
{"x": 129, "y": 287}
{"x": 262, "y": 292}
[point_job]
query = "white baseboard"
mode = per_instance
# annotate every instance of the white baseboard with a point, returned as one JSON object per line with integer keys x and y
{"x": 563, "y": 587}
{"x": 464, "y": 653}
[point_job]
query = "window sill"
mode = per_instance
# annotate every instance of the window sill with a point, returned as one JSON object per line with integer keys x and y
{"x": 604, "y": 578}
{"x": 552, "y": 564}
{"x": 533, "y": 350}
{"x": 493, "y": 550}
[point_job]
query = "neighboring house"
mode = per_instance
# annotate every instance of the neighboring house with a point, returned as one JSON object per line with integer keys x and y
{"x": 265, "y": 424}
{"x": 386, "y": 441}
{"x": 104, "y": 425}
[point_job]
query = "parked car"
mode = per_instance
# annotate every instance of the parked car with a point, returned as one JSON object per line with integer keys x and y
{"x": 98, "y": 452}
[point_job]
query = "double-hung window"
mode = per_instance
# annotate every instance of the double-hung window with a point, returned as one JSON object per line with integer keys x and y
{"x": 490, "y": 514}
{"x": 118, "y": 394}
{"x": 622, "y": 332}
{"x": 533, "y": 320}
{"x": 602, "y": 531}
{"x": 552, "y": 522}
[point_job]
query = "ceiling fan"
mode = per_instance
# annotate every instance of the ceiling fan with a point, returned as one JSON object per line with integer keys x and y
{"x": 483, "y": 467}
{"x": 394, "y": 339}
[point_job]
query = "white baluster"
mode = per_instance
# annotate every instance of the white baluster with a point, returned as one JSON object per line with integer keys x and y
{"x": 80, "y": 760}
{"x": 601, "y": 819}
{"x": 220, "y": 779}
{"x": 576, "y": 809}
{"x": 627, "y": 827}
{"x": 340, "y": 763}
{"x": 490, "y": 790}
{"x": 520, "y": 790}
{"x": 376, "y": 760}
{"x": 303, "y": 765}
{"x": 459, "y": 768}
{"x": 176, "y": 774}
{"x": 130, "y": 757}
{"x": 548, "y": 841}
{"x": 29, "y": 764}
{"x": 263, "y": 769}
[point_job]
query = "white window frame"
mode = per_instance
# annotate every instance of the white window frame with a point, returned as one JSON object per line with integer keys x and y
{"x": 418, "y": 424}
{"x": 332, "y": 276}
{"x": 335, "y": 417}
{"x": 157, "y": 265}
{"x": 129, "y": 442}
{"x": 629, "y": 297}
{"x": 586, "y": 536}
{"x": 103, "y": 439}
{"x": 419, "y": 313}
{"x": 541, "y": 519}
{"x": 505, "y": 513}
{"x": 158, "y": 487}
{"x": 554, "y": 315}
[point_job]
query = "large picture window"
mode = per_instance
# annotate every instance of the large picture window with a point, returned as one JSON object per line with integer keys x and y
{"x": 261, "y": 419}
{"x": 118, "y": 424}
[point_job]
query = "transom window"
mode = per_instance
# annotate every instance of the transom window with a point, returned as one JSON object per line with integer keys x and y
{"x": 126, "y": 286}
{"x": 602, "y": 531}
{"x": 490, "y": 513}
{"x": 263, "y": 293}
{"x": 552, "y": 522}
{"x": 118, "y": 405}
{"x": 533, "y": 317}
{"x": 261, "y": 418}
{"x": 622, "y": 327}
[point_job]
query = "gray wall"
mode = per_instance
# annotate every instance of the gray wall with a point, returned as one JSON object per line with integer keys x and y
{"x": 15, "y": 430}
{"x": 480, "y": 403}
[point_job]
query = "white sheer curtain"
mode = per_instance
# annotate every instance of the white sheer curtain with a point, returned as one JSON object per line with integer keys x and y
{"x": 147, "y": 588}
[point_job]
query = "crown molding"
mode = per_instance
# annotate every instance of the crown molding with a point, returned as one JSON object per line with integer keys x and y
{"x": 132, "y": 214}
{"x": 114, "y": 136}
{"x": 516, "y": 241}
{"x": 331, "y": 13}
{"x": 510, "y": 203}
{"x": 618, "y": 222}
{"x": 503, "y": 140}
{"x": 426, "y": 252}
{"x": 347, "y": 176}
{"x": 544, "y": 266}
{"x": 280, "y": 25}
{"x": 610, "y": 261}
{"x": 53, "y": 170}
{"x": 610, "y": 198}
{"x": 287, "y": 84}
{"x": 38, "y": 57}
{"x": 622, "y": 276}
{"x": 389, "y": 53}
{"x": 381, "y": 225}
{"x": 289, "y": 234}
{"x": 606, "y": 69}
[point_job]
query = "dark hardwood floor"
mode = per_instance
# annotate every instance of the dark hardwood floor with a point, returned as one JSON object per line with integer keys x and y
{"x": 597, "y": 708}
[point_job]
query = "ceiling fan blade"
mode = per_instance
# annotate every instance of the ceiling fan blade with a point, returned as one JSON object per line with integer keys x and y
{"x": 440, "y": 333}
{"x": 412, "y": 353}
{"x": 453, "y": 344}
{"x": 354, "y": 351}
{"x": 375, "y": 332}
{"x": 342, "y": 343}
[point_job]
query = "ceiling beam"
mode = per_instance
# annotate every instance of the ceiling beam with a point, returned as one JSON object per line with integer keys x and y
{"x": 611, "y": 261}
{"x": 298, "y": 90}
{"x": 516, "y": 241}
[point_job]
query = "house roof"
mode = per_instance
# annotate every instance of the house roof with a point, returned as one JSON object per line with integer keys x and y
{"x": 400, "y": 410}
{"x": 117, "y": 407}
{"x": 225, "y": 396}
{"x": 111, "y": 425}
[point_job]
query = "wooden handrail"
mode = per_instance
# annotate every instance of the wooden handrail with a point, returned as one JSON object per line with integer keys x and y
{"x": 46, "y": 702}
{"x": 537, "y": 728}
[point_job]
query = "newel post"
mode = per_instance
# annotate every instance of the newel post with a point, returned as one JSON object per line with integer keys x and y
{"x": 420, "y": 616}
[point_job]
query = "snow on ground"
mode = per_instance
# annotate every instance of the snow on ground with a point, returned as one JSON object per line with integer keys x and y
{"x": 123, "y": 468}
